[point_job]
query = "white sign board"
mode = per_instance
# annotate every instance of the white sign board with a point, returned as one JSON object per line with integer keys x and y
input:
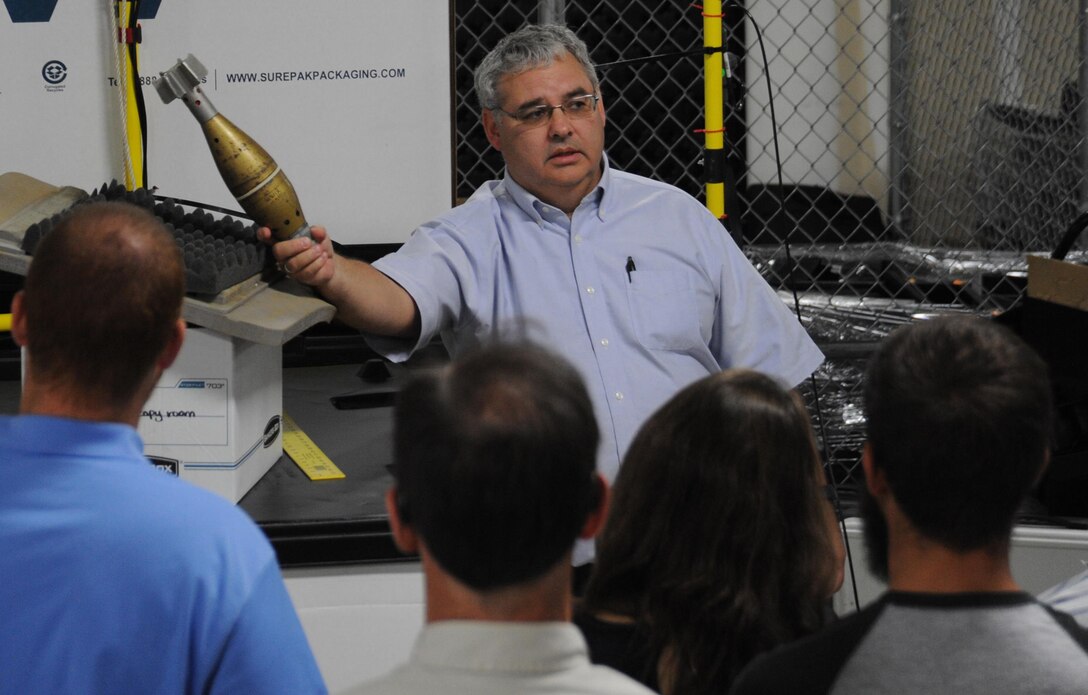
{"x": 351, "y": 97}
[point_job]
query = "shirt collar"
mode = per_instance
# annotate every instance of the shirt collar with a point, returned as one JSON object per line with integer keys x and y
{"x": 470, "y": 645}
{"x": 533, "y": 206}
{"x": 967, "y": 599}
{"x": 58, "y": 435}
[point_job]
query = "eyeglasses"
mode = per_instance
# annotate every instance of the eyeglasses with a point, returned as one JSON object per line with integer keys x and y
{"x": 577, "y": 108}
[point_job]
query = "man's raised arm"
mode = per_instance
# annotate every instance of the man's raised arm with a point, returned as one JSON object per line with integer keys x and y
{"x": 364, "y": 297}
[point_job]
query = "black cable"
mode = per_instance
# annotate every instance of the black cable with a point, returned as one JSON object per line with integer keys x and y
{"x": 833, "y": 484}
{"x": 194, "y": 204}
{"x": 659, "y": 56}
{"x": 137, "y": 87}
{"x": 836, "y": 500}
{"x": 1071, "y": 233}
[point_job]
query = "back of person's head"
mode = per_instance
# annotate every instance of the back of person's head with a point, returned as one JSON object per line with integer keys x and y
{"x": 102, "y": 295}
{"x": 532, "y": 46}
{"x": 495, "y": 463}
{"x": 959, "y": 418}
{"x": 717, "y": 537}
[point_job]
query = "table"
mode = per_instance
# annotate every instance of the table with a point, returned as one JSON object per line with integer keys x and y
{"x": 331, "y": 522}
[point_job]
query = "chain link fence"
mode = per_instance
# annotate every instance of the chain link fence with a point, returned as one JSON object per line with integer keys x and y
{"x": 924, "y": 149}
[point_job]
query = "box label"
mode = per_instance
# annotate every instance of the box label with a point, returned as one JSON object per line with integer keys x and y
{"x": 187, "y": 412}
{"x": 166, "y": 465}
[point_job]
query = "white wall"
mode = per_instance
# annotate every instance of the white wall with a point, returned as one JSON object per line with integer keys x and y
{"x": 361, "y": 621}
{"x": 829, "y": 69}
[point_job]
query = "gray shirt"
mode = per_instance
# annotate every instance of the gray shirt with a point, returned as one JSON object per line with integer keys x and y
{"x": 984, "y": 643}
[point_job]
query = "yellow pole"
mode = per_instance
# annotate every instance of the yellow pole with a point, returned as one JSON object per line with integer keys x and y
{"x": 134, "y": 178}
{"x": 135, "y": 138}
{"x": 714, "y": 155}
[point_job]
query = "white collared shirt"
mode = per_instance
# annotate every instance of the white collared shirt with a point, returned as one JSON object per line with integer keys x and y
{"x": 489, "y": 658}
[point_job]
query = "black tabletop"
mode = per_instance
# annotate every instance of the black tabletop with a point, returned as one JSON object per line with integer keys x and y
{"x": 330, "y": 522}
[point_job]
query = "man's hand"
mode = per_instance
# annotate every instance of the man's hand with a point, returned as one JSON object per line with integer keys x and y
{"x": 310, "y": 261}
{"x": 364, "y": 297}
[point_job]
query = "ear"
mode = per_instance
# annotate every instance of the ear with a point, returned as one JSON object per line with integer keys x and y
{"x": 600, "y": 107}
{"x": 874, "y": 477}
{"x": 596, "y": 517}
{"x": 491, "y": 129}
{"x": 404, "y": 536}
{"x": 173, "y": 346}
{"x": 18, "y": 319}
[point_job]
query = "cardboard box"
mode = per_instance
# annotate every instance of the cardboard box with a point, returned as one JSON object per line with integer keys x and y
{"x": 214, "y": 417}
{"x": 1059, "y": 282}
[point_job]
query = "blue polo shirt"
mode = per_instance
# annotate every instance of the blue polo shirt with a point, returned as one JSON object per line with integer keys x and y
{"x": 118, "y": 578}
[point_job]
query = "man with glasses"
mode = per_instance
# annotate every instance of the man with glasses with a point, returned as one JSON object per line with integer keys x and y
{"x": 632, "y": 280}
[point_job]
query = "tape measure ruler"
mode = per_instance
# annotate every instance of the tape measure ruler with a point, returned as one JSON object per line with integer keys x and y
{"x": 306, "y": 454}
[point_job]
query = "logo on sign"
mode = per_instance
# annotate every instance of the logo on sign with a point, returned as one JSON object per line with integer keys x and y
{"x": 271, "y": 431}
{"x": 22, "y": 11}
{"x": 200, "y": 384}
{"x": 171, "y": 466}
{"x": 54, "y": 72}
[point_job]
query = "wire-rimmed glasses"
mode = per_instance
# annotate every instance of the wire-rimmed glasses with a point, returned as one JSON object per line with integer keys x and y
{"x": 577, "y": 108}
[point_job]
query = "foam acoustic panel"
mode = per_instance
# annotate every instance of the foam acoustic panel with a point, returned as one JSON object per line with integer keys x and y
{"x": 219, "y": 252}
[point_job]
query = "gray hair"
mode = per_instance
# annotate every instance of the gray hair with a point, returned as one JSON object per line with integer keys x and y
{"x": 531, "y": 46}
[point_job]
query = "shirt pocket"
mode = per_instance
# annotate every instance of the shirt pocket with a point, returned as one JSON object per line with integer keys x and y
{"x": 663, "y": 310}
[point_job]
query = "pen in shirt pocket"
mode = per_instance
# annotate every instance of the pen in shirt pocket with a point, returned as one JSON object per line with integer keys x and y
{"x": 630, "y": 267}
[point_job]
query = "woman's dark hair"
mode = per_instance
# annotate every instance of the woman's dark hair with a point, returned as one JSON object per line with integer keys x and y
{"x": 717, "y": 542}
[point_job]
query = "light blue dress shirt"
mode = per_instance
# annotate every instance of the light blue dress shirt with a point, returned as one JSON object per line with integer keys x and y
{"x": 1070, "y": 596}
{"x": 642, "y": 289}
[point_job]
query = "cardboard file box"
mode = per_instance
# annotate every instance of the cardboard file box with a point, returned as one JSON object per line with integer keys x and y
{"x": 214, "y": 417}
{"x": 1058, "y": 282}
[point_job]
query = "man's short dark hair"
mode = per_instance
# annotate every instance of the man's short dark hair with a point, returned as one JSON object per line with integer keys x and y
{"x": 102, "y": 294}
{"x": 495, "y": 459}
{"x": 959, "y": 419}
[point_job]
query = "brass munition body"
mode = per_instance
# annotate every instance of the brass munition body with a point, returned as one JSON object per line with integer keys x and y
{"x": 253, "y": 177}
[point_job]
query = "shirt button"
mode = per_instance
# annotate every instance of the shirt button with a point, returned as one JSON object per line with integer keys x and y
{"x": 604, "y": 342}
{"x": 619, "y": 395}
{"x": 590, "y": 290}
{"x": 577, "y": 238}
